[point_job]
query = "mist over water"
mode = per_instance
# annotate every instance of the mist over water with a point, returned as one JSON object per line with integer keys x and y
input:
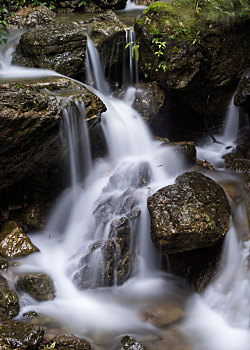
{"x": 216, "y": 320}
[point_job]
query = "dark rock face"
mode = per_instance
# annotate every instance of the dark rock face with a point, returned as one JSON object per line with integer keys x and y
{"x": 20, "y": 335}
{"x": 239, "y": 159}
{"x": 38, "y": 285}
{"x": 193, "y": 54}
{"x": 66, "y": 342}
{"x": 242, "y": 95}
{"x": 30, "y": 116}
{"x": 147, "y": 101}
{"x": 14, "y": 242}
{"x": 193, "y": 213}
{"x": 112, "y": 4}
{"x": 62, "y": 46}
{"x": 9, "y": 306}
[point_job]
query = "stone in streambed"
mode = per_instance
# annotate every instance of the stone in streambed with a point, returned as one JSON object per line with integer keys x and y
{"x": 193, "y": 213}
{"x": 14, "y": 242}
{"x": 38, "y": 285}
{"x": 19, "y": 335}
{"x": 66, "y": 342}
{"x": 9, "y": 306}
{"x": 129, "y": 343}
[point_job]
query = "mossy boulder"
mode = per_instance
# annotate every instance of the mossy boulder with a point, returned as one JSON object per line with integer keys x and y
{"x": 30, "y": 118}
{"x": 9, "y": 305}
{"x": 242, "y": 94}
{"x": 193, "y": 213}
{"x": 19, "y": 335}
{"x": 14, "y": 242}
{"x": 192, "y": 50}
{"x": 38, "y": 285}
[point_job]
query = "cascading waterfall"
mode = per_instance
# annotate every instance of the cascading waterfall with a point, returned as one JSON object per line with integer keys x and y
{"x": 130, "y": 59}
{"x": 98, "y": 236}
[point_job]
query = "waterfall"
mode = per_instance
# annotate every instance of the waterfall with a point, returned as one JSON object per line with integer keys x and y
{"x": 98, "y": 236}
{"x": 231, "y": 126}
{"x": 130, "y": 59}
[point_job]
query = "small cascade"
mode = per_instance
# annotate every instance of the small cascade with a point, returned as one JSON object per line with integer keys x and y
{"x": 130, "y": 59}
{"x": 76, "y": 139}
{"x": 231, "y": 125}
{"x": 94, "y": 71}
{"x": 131, "y": 6}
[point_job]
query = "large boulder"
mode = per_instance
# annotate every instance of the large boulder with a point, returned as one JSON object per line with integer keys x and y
{"x": 14, "y": 242}
{"x": 191, "y": 51}
{"x": 62, "y": 46}
{"x": 193, "y": 213}
{"x": 9, "y": 305}
{"x": 19, "y": 335}
{"x": 30, "y": 118}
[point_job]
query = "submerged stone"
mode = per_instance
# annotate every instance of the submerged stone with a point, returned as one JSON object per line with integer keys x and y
{"x": 129, "y": 343}
{"x": 193, "y": 213}
{"x": 38, "y": 285}
{"x": 19, "y": 335}
{"x": 14, "y": 242}
{"x": 9, "y": 306}
{"x": 66, "y": 342}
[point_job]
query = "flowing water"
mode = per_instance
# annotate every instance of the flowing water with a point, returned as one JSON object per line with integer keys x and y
{"x": 102, "y": 220}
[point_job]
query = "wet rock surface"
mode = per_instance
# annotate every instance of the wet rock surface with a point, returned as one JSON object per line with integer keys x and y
{"x": 62, "y": 46}
{"x": 129, "y": 343}
{"x": 19, "y": 335}
{"x": 185, "y": 148}
{"x": 193, "y": 213}
{"x": 38, "y": 285}
{"x": 193, "y": 54}
{"x": 118, "y": 215}
{"x": 9, "y": 305}
{"x": 148, "y": 99}
{"x": 66, "y": 342}
{"x": 14, "y": 242}
{"x": 30, "y": 116}
{"x": 163, "y": 316}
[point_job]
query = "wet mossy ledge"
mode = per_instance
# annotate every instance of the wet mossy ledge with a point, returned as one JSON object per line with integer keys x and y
{"x": 195, "y": 49}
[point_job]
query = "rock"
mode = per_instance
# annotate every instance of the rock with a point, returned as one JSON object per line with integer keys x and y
{"x": 62, "y": 46}
{"x": 14, "y": 242}
{"x": 20, "y": 335}
{"x": 112, "y": 4}
{"x": 9, "y": 306}
{"x": 193, "y": 213}
{"x": 185, "y": 148}
{"x": 192, "y": 54}
{"x": 242, "y": 94}
{"x": 4, "y": 265}
{"x": 30, "y": 17}
{"x": 129, "y": 343}
{"x": 68, "y": 5}
{"x": 163, "y": 316}
{"x": 38, "y": 285}
{"x": 239, "y": 159}
{"x": 148, "y": 98}
{"x": 65, "y": 342}
{"x": 30, "y": 117}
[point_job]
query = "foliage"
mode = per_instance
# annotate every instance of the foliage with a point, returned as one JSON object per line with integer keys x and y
{"x": 135, "y": 48}
{"x": 50, "y": 347}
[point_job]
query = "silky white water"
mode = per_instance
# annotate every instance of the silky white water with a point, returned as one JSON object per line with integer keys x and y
{"x": 217, "y": 320}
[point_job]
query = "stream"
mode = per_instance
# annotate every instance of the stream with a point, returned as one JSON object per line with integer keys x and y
{"x": 218, "y": 319}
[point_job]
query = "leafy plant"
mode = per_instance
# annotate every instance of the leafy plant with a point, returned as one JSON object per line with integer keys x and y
{"x": 135, "y": 48}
